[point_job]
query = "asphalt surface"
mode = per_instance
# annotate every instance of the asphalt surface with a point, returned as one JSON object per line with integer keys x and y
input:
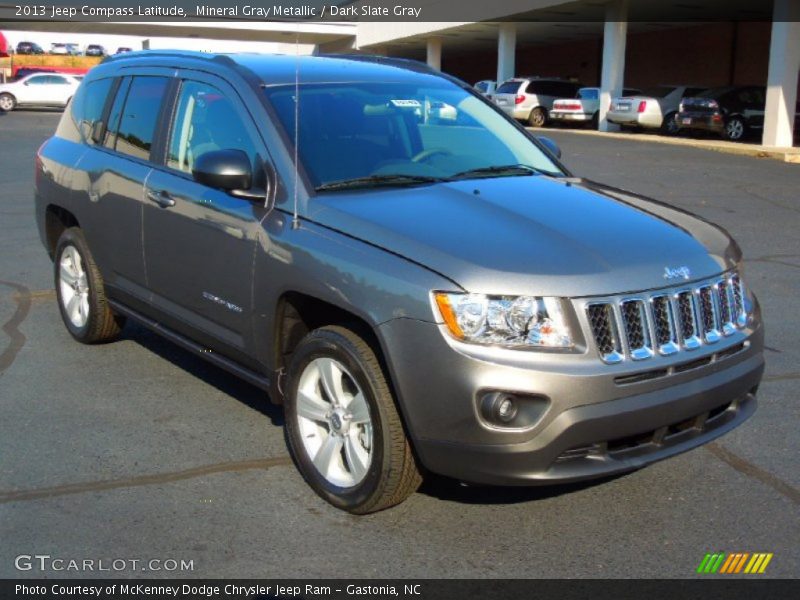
{"x": 138, "y": 450}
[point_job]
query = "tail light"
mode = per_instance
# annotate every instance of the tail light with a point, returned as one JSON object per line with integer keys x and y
{"x": 519, "y": 99}
{"x": 642, "y": 106}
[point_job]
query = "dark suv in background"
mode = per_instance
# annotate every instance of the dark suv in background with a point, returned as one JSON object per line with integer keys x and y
{"x": 421, "y": 294}
{"x": 731, "y": 112}
{"x": 29, "y": 48}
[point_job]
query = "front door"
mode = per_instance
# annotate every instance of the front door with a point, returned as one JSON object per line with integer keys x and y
{"x": 200, "y": 242}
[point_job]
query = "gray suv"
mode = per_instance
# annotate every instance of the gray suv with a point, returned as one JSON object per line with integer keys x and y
{"x": 422, "y": 295}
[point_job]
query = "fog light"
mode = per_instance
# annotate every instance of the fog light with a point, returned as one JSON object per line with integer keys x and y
{"x": 511, "y": 410}
{"x": 506, "y": 409}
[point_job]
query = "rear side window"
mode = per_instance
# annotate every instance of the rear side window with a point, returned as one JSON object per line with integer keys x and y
{"x": 509, "y": 87}
{"x": 137, "y": 123}
{"x": 88, "y": 105}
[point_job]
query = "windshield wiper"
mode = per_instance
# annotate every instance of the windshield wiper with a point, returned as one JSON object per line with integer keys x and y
{"x": 500, "y": 171}
{"x": 396, "y": 179}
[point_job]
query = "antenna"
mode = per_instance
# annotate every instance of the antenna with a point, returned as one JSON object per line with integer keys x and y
{"x": 295, "y": 218}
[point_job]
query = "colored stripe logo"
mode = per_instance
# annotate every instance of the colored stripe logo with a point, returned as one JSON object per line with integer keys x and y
{"x": 735, "y": 562}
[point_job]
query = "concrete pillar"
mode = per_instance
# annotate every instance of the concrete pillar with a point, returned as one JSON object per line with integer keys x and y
{"x": 784, "y": 63}
{"x": 506, "y": 51}
{"x": 435, "y": 53}
{"x": 615, "y": 33}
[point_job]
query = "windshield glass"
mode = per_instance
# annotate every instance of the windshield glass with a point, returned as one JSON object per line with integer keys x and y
{"x": 359, "y": 130}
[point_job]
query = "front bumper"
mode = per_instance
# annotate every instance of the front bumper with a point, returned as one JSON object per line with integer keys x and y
{"x": 593, "y": 426}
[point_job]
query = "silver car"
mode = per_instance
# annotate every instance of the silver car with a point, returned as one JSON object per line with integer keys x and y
{"x": 654, "y": 108}
{"x": 531, "y": 98}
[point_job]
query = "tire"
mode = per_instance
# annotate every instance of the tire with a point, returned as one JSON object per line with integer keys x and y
{"x": 735, "y": 129}
{"x": 7, "y": 102}
{"x": 366, "y": 462}
{"x": 81, "y": 293}
{"x": 538, "y": 117}
{"x": 669, "y": 126}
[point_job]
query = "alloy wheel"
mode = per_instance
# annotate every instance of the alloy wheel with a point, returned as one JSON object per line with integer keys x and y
{"x": 734, "y": 129}
{"x": 74, "y": 287}
{"x": 334, "y": 422}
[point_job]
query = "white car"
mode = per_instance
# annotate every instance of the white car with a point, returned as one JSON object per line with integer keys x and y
{"x": 486, "y": 87}
{"x": 654, "y": 108}
{"x": 584, "y": 108}
{"x": 38, "y": 89}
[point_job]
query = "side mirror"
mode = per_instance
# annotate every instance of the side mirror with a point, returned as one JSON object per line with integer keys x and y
{"x": 550, "y": 145}
{"x": 227, "y": 170}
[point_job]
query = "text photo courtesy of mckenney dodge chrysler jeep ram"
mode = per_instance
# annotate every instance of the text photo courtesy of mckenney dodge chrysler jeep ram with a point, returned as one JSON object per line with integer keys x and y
{"x": 422, "y": 295}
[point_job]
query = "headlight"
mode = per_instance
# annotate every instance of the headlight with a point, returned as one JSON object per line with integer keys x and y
{"x": 512, "y": 321}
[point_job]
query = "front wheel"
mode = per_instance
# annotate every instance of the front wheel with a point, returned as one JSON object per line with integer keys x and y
{"x": 7, "y": 102}
{"x": 342, "y": 424}
{"x": 81, "y": 293}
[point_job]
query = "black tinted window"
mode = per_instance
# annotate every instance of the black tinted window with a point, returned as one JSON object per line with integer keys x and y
{"x": 88, "y": 104}
{"x": 110, "y": 139}
{"x": 138, "y": 122}
{"x": 509, "y": 87}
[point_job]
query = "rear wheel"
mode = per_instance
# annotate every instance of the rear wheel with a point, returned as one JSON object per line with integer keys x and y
{"x": 735, "y": 129}
{"x": 7, "y": 102}
{"x": 669, "y": 125}
{"x": 342, "y": 424}
{"x": 81, "y": 293}
{"x": 538, "y": 117}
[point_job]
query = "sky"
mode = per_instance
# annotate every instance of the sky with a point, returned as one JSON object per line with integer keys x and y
{"x": 112, "y": 42}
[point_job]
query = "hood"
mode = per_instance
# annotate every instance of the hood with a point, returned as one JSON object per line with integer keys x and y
{"x": 532, "y": 235}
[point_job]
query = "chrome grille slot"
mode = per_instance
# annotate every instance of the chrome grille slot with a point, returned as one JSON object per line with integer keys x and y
{"x": 687, "y": 319}
{"x": 604, "y": 329}
{"x": 634, "y": 322}
{"x": 667, "y": 322}
{"x": 708, "y": 313}
{"x": 738, "y": 301}
{"x": 664, "y": 325}
{"x": 726, "y": 309}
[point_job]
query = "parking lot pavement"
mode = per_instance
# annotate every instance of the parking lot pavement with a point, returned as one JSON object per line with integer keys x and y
{"x": 138, "y": 450}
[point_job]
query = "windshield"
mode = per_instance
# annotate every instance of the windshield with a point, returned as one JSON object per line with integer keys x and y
{"x": 377, "y": 130}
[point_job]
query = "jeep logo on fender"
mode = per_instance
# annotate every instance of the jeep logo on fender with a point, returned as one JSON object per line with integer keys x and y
{"x": 674, "y": 273}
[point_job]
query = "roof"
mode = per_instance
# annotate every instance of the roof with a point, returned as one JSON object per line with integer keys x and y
{"x": 279, "y": 69}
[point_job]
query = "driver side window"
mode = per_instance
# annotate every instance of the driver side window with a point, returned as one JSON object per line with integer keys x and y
{"x": 205, "y": 121}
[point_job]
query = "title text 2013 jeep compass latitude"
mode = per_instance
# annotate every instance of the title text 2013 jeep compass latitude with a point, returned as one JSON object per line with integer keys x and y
{"x": 421, "y": 294}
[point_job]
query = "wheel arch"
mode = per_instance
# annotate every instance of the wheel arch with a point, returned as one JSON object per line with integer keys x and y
{"x": 298, "y": 313}
{"x": 57, "y": 220}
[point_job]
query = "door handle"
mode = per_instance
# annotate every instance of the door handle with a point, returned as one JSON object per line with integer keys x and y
{"x": 162, "y": 198}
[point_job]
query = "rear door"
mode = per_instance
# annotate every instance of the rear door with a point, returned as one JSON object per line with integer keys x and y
{"x": 116, "y": 168}
{"x": 199, "y": 241}
{"x": 59, "y": 90}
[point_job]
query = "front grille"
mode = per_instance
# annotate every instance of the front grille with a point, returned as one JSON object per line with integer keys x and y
{"x": 667, "y": 322}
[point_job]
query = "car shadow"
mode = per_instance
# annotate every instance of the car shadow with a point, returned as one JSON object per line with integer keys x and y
{"x": 217, "y": 377}
{"x": 451, "y": 490}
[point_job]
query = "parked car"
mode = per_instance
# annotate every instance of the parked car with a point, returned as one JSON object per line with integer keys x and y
{"x": 57, "y": 48}
{"x": 654, "y": 108}
{"x": 583, "y": 108}
{"x": 95, "y": 50}
{"x": 29, "y": 48}
{"x": 38, "y": 89}
{"x": 486, "y": 87}
{"x": 727, "y": 111}
{"x": 531, "y": 98}
{"x": 73, "y": 49}
{"x": 123, "y": 50}
{"x": 441, "y": 298}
